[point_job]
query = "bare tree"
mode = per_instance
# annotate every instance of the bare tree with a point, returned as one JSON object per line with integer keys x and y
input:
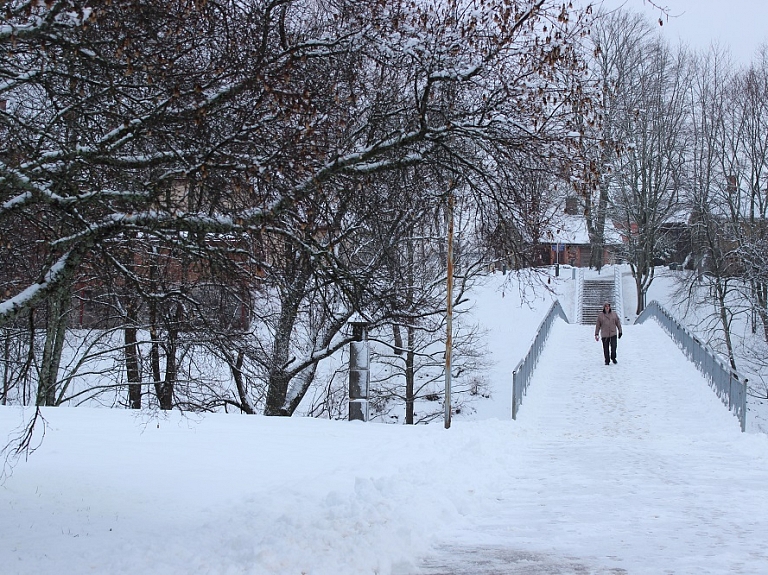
{"x": 710, "y": 190}
{"x": 152, "y": 148}
{"x": 617, "y": 40}
{"x": 652, "y": 127}
{"x": 750, "y": 92}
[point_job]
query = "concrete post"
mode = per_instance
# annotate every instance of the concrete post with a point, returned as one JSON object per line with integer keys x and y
{"x": 359, "y": 369}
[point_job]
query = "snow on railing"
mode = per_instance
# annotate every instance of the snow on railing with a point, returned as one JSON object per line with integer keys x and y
{"x": 618, "y": 291}
{"x": 578, "y": 311}
{"x": 729, "y": 386}
{"x": 521, "y": 376}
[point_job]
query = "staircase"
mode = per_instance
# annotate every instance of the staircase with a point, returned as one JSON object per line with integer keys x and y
{"x": 595, "y": 293}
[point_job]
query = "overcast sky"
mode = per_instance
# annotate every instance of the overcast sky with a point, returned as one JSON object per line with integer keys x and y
{"x": 741, "y": 25}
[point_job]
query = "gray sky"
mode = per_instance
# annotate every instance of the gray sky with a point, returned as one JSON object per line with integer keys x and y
{"x": 741, "y": 25}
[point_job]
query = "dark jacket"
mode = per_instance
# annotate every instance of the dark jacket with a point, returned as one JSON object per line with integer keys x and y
{"x": 608, "y": 324}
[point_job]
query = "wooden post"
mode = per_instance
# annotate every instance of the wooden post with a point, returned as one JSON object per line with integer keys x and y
{"x": 449, "y": 315}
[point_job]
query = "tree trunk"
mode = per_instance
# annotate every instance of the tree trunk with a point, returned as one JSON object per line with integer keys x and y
{"x": 276, "y": 394}
{"x": 409, "y": 376}
{"x": 411, "y": 332}
{"x": 133, "y": 372}
{"x": 597, "y": 225}
{"x": 761, "y": 297}
{"x": 165, "y": 397}
{"x": 6, "y": 366}
{"x": 279, "y": 377}
{"x": 163, "y": 389}
{"x": 306, "y": 378}
{"x": 54, "y": 344}
{"x": 723, "y": 313}
{"x": 237, "y": 374}
{"x": 643, "y": 275}
{"x": 398, "y": 337}
{"x": 641, "y": 288}
{"x": 26, "y": 391}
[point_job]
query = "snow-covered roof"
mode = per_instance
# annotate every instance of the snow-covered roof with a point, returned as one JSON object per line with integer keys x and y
{"x": 679, "y": 217}
{"x": 572, "y": 229}
{"x": 357, "y": 317}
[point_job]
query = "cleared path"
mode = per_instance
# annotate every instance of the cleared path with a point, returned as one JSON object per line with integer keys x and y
{"x": 632, "y": 468}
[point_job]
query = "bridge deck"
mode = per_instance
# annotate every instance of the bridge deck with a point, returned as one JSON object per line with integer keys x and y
{"x": 630, "y": 468}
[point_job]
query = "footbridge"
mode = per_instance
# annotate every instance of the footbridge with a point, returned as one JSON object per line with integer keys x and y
{"x": 637, "y": 468}
{"x": 676, "y": 340}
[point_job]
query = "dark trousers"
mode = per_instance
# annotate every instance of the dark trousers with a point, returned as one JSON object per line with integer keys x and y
{"x": 609, "y": 341}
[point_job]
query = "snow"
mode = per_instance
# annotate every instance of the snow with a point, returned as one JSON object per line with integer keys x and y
{"x": 698, "y": 319}
{"x": 568, "y": 229}
{"x": 624, "y": 467}
{"x": 33, "y": 291}
{"x": 630, "y": 468}
{"x": 511, "y": 316}
{"x": 357, "y": 317}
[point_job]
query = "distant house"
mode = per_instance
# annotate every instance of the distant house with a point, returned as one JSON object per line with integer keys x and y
{"x": 720, "y": 245}
{"x": 567, "y": 239}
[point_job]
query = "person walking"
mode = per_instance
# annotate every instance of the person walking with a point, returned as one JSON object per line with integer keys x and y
{"x": 608, "y": 328}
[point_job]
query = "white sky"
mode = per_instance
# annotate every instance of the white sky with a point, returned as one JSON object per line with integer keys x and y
{"x": 737, "y": 24}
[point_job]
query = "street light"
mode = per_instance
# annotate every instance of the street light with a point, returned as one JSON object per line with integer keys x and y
{"x": 359, "y": 368}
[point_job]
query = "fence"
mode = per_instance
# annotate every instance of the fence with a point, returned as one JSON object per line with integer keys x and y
{"x": 730, "y": 387}
{"x": 521, "y": 377}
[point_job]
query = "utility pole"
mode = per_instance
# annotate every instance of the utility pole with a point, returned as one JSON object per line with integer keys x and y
{"x": 449, "y": 315}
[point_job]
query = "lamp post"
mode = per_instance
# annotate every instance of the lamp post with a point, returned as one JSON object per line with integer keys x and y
{"x": 359, "y": 368}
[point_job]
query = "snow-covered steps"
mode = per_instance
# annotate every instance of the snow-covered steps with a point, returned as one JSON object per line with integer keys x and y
{"x": 595, "y": 293}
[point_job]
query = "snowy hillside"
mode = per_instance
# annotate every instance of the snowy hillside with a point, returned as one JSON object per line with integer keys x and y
{"x": 635, "y": 468}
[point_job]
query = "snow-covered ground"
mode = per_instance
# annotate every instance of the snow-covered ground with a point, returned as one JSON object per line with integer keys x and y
{"x": 511, "y": 312}
{"x": 631, "y": 468}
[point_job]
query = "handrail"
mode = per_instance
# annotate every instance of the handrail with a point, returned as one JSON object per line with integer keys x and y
{"x": 729, "y": 386}
{"x": 579, "y": 296}
{"x": 618, "y": 291}
{"x": 521, "y": 376}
